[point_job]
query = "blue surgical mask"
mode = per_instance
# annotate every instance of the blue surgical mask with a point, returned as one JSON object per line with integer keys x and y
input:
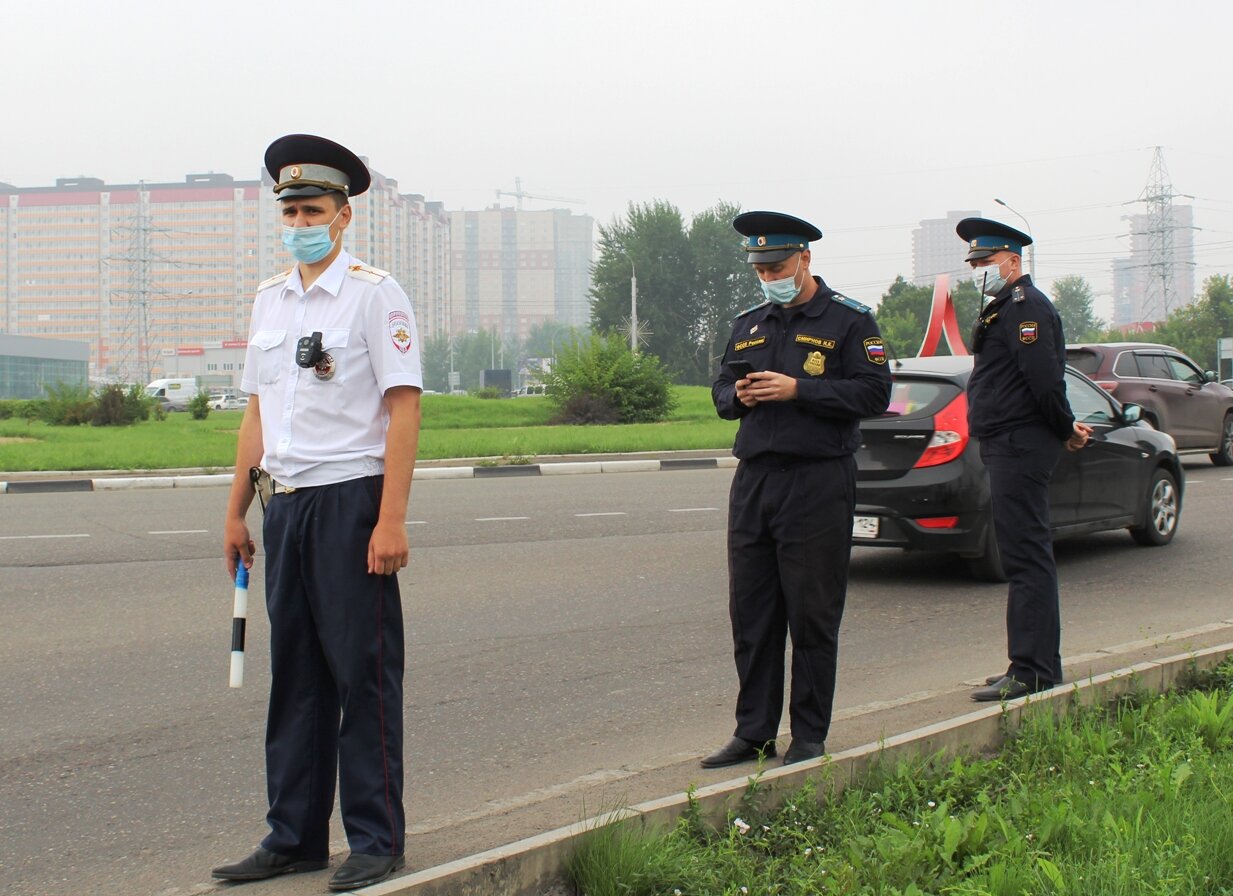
{"x": 988, "y": 279}
{"x": 783, "y": 292}
{"x": 309, "y": 244}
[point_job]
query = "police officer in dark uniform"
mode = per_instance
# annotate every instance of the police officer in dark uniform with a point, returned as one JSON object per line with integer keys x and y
{"x": 1017, "y": 408}
{"x": 331, "y": 428}
{"x": 799, "y": 372}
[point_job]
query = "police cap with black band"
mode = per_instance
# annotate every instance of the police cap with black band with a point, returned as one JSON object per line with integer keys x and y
{"x": 306, "y": 165}
{"x": 985, "y": 236}
{"x": 772, "y": 237}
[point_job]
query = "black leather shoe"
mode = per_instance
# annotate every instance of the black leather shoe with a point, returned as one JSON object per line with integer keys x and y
{"x": 1006, "y": 688}
{"x": 994, "y": 679}
{"x": 739, "y": 750}
{"x": 362, "y": 871}
{"x": 263, "y": 864}
{"x": 801, "y": 750}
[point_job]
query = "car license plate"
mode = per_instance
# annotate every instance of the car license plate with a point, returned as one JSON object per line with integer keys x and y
{"x": 865, "y": 527}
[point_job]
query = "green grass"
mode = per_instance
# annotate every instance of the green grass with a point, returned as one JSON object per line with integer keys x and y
{"x": 1128, "y": 800}
{"x": 453, "y": 426}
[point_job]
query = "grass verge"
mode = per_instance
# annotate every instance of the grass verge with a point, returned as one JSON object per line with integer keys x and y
{"x": 453, "y": 426}
{"x": 1128, "y": 799}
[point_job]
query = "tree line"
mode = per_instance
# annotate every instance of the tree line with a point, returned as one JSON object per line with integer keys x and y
{"x": 692, "y": 281}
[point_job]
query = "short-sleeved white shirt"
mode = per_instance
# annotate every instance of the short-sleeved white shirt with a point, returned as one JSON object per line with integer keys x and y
{"x": 327, "y": 424}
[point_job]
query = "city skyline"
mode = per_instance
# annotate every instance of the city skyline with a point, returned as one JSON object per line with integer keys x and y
{"x": 895, "y": 113}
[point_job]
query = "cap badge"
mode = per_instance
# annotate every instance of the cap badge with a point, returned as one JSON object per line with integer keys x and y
{"x": 815, "y": 364}
{"x": 761, "y": 241}
{"x": 296, "y": 172}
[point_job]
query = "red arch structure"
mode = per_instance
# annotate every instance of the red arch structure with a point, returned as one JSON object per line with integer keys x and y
{"x": 942, "y": 322}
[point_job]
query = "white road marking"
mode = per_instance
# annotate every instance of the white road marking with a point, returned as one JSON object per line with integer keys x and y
{"x": 15, "y": 537}
{"x": 606, "y": 513}
{"x": 690, "y": 509}
{"x": 179, "y": 532}
{"x": 499, "y": 519}
{"x": 417, "y": 522}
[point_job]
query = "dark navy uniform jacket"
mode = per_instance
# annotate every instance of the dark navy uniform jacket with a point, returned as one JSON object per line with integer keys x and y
{"x": 1018, "y": 378}
{"x": 832, "y": 346}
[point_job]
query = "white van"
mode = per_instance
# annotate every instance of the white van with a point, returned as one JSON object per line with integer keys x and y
{"x": 175, "y": 394}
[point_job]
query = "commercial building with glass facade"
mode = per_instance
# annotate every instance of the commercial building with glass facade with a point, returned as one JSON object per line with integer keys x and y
{"x": 28, "y": 366}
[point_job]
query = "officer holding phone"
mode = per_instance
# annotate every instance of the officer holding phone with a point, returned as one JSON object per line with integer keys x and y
{"x": 799, "y": 372}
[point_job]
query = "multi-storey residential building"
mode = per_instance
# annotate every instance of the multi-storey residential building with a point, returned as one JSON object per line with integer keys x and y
{"x": 936, "y": 249}
{"x": 151, "y": 273}
{"x": 513, "y": 269}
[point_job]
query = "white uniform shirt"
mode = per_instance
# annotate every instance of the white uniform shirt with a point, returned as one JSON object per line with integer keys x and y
{"x": 327, "y": 424}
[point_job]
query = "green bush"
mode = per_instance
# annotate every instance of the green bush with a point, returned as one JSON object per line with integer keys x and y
{"x": 199, "y": 405}
{"x": 68, "y": 405}
{"x": 488, "y": 392}
{"x": 599, "y": 380}
{"x": 117, "y": 406}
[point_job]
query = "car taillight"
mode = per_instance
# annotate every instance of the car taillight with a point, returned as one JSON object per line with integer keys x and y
{"x": 950, "y": 434}
{"x": 1109, "y": 386}
{"x": 937, "y": 522}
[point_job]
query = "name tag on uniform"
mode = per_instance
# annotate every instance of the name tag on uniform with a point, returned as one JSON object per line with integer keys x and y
{"x": 749, "y": 343}
{"x": 815, "y": 340}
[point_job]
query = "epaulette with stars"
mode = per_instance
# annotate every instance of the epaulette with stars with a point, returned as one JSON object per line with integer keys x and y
{"x": 273, "y": 281}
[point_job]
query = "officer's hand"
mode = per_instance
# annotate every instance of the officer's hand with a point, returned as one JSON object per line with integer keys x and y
{"x": 767, "y": 385}
{"x": 743, "y": 395}
{"x": 1080, "y": 436}
{"x": 387, "y": 549}
{"x": 237, "y": 544}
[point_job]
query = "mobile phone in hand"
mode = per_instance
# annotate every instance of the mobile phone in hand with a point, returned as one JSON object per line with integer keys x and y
{"x": 740, "y": 369}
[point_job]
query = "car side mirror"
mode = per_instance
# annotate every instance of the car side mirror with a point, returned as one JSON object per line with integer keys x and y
{"x": 1209, "y": 376}
{"x": 1131, "y": 413}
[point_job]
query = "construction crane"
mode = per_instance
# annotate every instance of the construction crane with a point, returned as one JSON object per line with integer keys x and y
{"x": 520, "y": 195}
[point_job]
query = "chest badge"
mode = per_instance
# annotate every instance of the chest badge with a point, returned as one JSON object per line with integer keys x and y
{"x": 1027, "y": 332}
{"x": 325, "y": 368}
{"x": 815, "y": 364}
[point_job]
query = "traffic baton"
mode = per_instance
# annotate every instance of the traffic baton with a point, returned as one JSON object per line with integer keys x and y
{"x": 239, "y": 618}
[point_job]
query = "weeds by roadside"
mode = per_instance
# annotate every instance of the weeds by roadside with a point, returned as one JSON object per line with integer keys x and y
{"x": 1133, "y": 798}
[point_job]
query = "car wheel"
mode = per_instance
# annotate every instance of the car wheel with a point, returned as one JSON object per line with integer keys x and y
{"x": 1162, "y": 507}
{"x": 1223, "y": 457}
{"x": 987, "y": 567}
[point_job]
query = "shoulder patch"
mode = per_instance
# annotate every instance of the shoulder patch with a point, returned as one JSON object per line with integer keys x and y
{"x": 856, "y": 306}
{"x": 274, "y": 281}
{"x": 366, "y": 273}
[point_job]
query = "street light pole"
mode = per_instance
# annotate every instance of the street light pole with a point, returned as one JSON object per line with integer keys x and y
{"x": 633, "y": 308}
{"x": 1031, "y": 248}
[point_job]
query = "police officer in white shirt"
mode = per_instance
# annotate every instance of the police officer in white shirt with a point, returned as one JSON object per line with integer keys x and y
{"x": 333, "y": 371}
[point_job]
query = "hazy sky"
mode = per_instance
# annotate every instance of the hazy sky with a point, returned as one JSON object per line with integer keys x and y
{"x": 863, "y": 117}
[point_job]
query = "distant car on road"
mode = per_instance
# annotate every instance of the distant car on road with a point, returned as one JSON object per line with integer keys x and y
{"x": 921, "y": 485}
{"x": 1177, "y": 397}
{"x": 230, "y": 403}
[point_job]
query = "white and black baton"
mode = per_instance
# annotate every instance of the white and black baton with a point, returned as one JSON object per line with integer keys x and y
{"x": 239, "y": 618}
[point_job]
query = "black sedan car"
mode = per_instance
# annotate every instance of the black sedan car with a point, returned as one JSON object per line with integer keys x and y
{"x": 921, "y": 484}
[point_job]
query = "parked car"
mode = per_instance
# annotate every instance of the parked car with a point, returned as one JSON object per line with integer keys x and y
{"x": 921, "y": 484}
{"x": 230, "y": 403}
{"x": 1177, "y": 397}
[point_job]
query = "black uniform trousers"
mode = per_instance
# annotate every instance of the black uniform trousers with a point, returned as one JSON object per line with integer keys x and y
{"x": 1020, "y": 464}
{"x": 789, "y": 542}
{"x": 336, "y": 652}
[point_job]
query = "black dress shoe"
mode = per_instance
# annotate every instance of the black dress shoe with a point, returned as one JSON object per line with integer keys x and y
{"x": 739, "y": 750}
{"x": 801, "y": 750}
{"x": 362, "y": 871}
{"x": 994, "y": 679}
{"x": 263, "y": 864}
{"x": 1007, "y": 688}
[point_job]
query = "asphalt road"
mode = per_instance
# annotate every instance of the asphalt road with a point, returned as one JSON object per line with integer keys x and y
{"x": 568, "y": 652}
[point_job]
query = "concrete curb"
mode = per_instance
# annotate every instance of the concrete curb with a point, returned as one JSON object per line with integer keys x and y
{"x": 535, "y": 865}
{"x": 567, "y": 468}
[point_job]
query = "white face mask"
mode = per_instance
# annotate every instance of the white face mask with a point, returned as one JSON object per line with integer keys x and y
{"x": 988, "y": 279}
